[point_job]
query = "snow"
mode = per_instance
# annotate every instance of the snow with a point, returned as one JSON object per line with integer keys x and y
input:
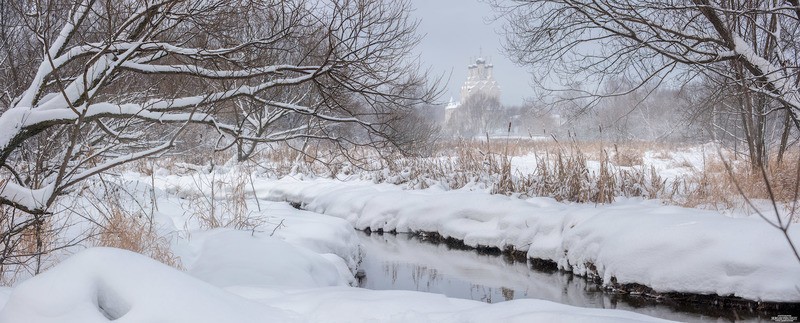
{"x": 668, "y": 248}
{"x": 102, "y": 284}
{"x": 776, "y": 75}
{"x": 5, "y": 292}
{"x": 295, "y": 266}
{"x": 31, "y": 199}
{"x": 670, "y": 166}
{"x": 333, "y": 304}
{"x": 298, "y": 265}
{"x": 674, "y": 251}
{"x": 225, "y": 257}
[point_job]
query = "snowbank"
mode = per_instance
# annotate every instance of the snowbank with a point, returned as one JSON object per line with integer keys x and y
{"x": 668, "y": 248}
{"x": 329, "y": 236}
{"x": 102, "y": 284}
{"x": 293, "y": 266}
{"x": 226, "y": 257}
{"x": 176, "y": 216}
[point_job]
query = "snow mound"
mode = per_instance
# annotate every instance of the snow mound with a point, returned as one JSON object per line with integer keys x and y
{"x": 102, "y": 284}
{"x": 319, "y": 233}
{"x": 226, "y": 257}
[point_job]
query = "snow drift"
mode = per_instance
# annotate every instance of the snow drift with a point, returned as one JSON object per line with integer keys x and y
{"x": 667, "y": 248}
{"x": 103, "y": 284}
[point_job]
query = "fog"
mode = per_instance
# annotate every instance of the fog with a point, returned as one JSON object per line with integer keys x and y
{"x": 455, "y": 33}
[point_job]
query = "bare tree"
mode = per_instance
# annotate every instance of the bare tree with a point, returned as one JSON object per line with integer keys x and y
{"x": 749, "y": 44}
{"x": 113, "y": 82}
{"x": 747, "y": 51}
{"x": 88, "y": 85}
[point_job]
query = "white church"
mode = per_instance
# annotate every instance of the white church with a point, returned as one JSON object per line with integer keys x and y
{"x": 479, "y": 80}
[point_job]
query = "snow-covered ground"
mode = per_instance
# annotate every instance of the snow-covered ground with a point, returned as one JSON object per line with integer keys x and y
{"x": 286, "y": 264}
{"x": 291, "y": 266}
{"x": 671, "y": 166}
{"x": 101, "y": 284}
{"x": 667, "y": 248}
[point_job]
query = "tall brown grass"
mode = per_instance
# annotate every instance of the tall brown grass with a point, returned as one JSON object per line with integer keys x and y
{"x": 24, "y": 240}
{"x": 131, "y": 231}
{"x": 723, "y": 183}
{"x": 562, "y": 171}
{"x": 222, "y": 202}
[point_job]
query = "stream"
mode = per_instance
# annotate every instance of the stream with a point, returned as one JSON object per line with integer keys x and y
{"x": 406, "y": 262}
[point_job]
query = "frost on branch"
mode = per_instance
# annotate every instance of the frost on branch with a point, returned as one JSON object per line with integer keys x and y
{"x": 93, "y": 86}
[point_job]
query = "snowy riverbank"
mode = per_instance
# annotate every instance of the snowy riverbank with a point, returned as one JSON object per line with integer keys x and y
{"x": 666, "y": 248}
{"x": 103, "y": 284}
{"x": 295, "y": 266}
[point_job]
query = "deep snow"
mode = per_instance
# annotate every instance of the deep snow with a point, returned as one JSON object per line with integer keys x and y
{"x": 668, "y": 248}
{"x": 102, "y": 284}
{"x": 295, "y": 266}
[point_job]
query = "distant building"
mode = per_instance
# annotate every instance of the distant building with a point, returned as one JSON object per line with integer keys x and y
{"x": 479, "y": 81}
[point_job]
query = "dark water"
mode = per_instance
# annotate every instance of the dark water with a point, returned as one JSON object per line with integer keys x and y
{"x": 404, "y": 262}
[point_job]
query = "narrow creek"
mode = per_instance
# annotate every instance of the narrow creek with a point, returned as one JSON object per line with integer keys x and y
{"x": 406, "y": 262}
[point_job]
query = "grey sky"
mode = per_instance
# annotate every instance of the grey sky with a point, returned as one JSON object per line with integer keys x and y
{"x": 455, "y": 32}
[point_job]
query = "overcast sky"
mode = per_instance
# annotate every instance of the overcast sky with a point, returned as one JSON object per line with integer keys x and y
{"x": 457, "y": 31}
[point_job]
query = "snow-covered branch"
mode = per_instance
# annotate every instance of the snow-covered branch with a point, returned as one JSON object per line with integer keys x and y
{"x": 113, "y": 85}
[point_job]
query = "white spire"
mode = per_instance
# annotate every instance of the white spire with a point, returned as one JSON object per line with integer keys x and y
{"x": 480, "y": 79}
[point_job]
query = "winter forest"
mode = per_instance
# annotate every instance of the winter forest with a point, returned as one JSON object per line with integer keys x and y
{"x": 399, "y": 161}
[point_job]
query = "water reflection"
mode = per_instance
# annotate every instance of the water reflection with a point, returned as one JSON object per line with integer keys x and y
{"x": 403, "y": 262}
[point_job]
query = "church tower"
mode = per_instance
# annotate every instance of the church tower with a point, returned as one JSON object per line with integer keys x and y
{"x": 480, "y": 80}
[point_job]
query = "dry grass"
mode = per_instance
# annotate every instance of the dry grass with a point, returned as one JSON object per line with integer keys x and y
{"x": 133, "y": 232}
{"x": 683, "y": 163}
{"x": 723, "y": 186}
{"x": 565, "y": 176}
{"x": 224, "y": 203}
{"x": 561, "y": 176}
{"x": 562, "y": 171}
{"x": 707, "y": 187}
{"x": 628, "y": 156}
{"x": 25, "y": 243}
{"x": 662, "y": 154}
{"x": 119, "y": 221}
